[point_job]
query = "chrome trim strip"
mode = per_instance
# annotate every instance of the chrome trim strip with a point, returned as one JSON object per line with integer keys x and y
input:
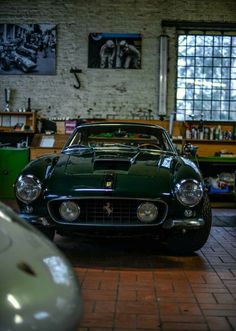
{"x": 91, "y": 190}
{"x": 184, "y": 223}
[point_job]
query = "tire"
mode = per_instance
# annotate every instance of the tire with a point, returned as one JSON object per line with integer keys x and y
{"x": 192, "y": 240}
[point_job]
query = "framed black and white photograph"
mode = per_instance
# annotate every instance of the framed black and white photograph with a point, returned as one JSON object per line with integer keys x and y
{"x": 115, "y": 50}
{"x": 27, "y": 49}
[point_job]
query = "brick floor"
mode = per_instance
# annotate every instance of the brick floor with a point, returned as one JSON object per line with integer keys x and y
{"x": 135, "y": 285}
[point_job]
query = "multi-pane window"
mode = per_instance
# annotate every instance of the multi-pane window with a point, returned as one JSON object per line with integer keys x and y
{"x": 206, "y": 77}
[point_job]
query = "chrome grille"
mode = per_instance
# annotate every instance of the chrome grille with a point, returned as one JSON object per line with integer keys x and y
{"x": 108, "y": 211}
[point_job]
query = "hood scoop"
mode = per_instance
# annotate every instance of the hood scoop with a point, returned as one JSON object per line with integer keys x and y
{"x": 111, "y": 164}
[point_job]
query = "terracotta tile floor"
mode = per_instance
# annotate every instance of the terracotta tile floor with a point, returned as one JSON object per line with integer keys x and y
{"x": 136, "y": 285}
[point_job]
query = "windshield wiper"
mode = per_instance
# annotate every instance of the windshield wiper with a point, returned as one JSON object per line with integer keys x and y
{"x": 77, "y": 146}
{"x": 80, "y": 148}
{"x": 158, "y": 151}
{"x": 119, "y": 145}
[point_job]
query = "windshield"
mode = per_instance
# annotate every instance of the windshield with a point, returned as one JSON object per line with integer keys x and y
{"x": 120, "y": 135}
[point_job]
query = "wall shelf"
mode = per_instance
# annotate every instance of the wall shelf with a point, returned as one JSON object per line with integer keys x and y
{"x": 206, "y": 141}
{"x": 10, "y": 120}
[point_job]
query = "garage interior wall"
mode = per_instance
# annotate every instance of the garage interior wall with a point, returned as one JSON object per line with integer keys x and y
{"x": 103, "y": 91}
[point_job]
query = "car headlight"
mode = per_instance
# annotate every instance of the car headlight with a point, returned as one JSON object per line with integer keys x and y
{"x": 28, "y": 188}
{"x": 147, "y": 212}
{"x": 69, "y": 211}
{"x": 189, "y": 192}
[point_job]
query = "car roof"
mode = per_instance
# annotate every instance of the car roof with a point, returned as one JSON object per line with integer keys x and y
{"x": 118, "y": 123}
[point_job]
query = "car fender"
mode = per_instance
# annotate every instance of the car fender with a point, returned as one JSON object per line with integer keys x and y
{"x": 41, "y": 167}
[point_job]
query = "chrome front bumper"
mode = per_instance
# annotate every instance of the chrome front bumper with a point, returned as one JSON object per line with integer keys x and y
{"x": 191, "y": 223}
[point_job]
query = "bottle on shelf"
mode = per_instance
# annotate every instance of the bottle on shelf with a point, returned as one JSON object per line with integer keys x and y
{"x": 220, "y": 134}
{"x": 194, "y": 132}
{"x": 188, "y": 133}
{"x": 200, "y": 132}
{"x": 206, "y": 133}
{"x": 234, "y": 133}
{"x": 216, "y": 133}
{"x": 212, "y": 133}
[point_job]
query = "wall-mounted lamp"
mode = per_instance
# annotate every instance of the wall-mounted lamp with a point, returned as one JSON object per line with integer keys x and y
{"x": 163, "y": 58}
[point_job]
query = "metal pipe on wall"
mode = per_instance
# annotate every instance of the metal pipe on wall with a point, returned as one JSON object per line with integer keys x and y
{"x": 163, "y": 58}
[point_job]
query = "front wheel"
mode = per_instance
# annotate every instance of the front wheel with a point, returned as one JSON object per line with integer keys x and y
{"x": 192, "y": 240}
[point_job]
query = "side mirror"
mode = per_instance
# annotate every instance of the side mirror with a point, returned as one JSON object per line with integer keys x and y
{"x": 189, "y": 150}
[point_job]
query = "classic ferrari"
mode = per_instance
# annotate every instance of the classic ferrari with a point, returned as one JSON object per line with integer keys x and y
{"x": 38, "y": 288}
{"x": 117, "y": 179}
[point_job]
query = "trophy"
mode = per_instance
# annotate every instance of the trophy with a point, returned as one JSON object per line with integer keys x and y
{"x": 7, "y": 99}
{"x": 29, "y": 105}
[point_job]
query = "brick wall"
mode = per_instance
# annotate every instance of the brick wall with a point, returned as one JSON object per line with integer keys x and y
{"x": 104, "y": 91}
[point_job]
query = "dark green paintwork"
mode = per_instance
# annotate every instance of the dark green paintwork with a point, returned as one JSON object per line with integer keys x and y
{"x": 136, "y": 174}
{"x": 145, "y": 178}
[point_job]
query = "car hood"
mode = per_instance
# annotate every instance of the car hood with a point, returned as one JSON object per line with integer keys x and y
{"x": 122, "y": 172}
{"x": 129, "y": 163}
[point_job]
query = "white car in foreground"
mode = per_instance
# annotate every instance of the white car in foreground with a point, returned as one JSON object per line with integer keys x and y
{"x": 38, "y": 289}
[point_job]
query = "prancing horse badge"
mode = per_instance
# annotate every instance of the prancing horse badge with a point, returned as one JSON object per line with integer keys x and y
{"x": 108, "y": 208}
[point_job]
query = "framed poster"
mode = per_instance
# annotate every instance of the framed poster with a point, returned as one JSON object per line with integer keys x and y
{"x": 27, "y": 49}
{"x": 114, "y": 50}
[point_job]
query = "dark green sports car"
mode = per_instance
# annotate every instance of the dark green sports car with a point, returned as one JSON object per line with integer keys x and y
{"x": 117, "y": 179}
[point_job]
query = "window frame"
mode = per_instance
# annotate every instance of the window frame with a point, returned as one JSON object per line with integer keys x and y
{"x": 201, "y": 107}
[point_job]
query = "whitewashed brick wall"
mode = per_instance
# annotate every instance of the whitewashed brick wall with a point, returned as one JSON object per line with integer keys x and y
{"x": 106, "y": 91}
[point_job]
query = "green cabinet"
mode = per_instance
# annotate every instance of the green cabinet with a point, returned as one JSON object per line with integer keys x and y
{"x": 12, "y": 161}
